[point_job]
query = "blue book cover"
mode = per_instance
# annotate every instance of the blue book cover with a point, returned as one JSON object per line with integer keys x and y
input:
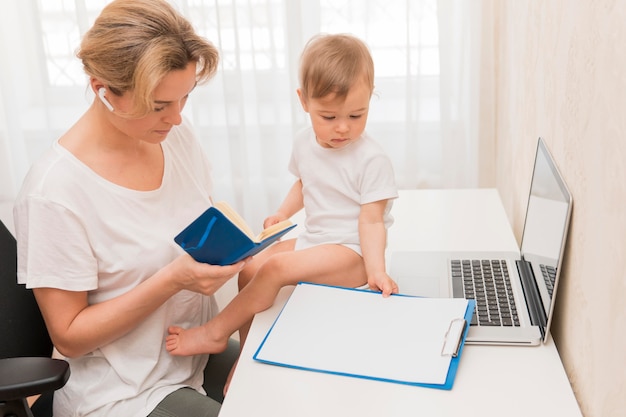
{"x": 219, "y": 236}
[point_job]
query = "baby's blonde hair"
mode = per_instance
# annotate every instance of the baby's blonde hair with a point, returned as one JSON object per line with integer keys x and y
{"x": 332, "y": 64}
{"x": 133, "y": 44}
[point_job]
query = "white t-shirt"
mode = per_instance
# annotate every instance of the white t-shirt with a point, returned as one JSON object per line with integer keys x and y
{"x": 79, "y": 232}
{"x": 335, "y": 183}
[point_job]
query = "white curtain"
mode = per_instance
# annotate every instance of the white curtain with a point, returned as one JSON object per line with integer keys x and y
{"x": 425, "y": 110}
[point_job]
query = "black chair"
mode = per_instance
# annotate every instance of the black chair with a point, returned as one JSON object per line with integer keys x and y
{"x": 26, "y": 366}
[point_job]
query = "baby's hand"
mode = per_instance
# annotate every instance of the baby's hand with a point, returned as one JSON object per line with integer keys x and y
{"x": 383, "y": 282}
{"x": 273, "y": 219}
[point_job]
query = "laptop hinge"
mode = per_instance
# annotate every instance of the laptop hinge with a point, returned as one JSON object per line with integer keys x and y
{"x": 531, "y": 294}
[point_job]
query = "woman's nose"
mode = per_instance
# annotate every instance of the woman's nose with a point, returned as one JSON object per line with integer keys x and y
{"x": 174, "y": 114}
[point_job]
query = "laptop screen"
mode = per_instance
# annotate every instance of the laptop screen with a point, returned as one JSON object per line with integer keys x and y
{"x": 545, "y": 228}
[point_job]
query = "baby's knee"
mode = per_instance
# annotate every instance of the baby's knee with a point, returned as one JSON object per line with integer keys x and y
{"x": 276, "y": 269}
{"x": 249, "y": 272}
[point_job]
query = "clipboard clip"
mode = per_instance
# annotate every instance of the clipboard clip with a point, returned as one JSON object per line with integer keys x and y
{"x": 453, "y": 338}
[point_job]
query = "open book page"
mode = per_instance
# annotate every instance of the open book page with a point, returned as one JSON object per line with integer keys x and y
{"x": 234, "y": 217}
{"x": 238, "y": 221}
{"x": 273, "y": 229}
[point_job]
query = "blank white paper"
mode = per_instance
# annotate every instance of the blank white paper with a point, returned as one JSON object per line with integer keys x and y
{"x": 360, "y": 333}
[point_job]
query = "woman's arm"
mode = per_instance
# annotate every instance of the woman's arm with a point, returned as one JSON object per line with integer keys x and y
{"x": 77, "y": 328}
{"x": 373, "y": 239}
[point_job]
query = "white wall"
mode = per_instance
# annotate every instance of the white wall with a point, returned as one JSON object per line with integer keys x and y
{"x": 561, "y": 73}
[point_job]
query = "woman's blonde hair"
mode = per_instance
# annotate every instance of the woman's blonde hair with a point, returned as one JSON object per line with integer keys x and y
{"x": 332, "y": 64}
{"x": 133, "y": 44}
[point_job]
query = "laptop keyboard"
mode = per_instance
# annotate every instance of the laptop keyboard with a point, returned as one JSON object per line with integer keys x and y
{"x": 487, "y": 282}
{"x": 549, "y": 276}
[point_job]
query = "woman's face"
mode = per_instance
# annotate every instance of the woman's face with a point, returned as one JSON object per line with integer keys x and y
{"x": 170, "y": 97}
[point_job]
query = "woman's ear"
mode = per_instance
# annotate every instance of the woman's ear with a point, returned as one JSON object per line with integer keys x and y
{"x": 96, "y": 85}
{"x": 100, "y": 89}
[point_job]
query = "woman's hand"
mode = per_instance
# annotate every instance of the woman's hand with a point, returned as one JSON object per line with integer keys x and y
{"x": 200, "y": 277}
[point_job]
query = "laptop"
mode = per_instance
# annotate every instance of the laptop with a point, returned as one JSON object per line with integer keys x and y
{"x": 515, "y": 295}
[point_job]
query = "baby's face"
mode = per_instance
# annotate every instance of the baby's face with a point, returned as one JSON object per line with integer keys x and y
{"x": 339, "y": 121}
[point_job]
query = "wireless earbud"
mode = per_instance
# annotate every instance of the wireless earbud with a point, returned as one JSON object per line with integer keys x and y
{"x": 101, "y": 92}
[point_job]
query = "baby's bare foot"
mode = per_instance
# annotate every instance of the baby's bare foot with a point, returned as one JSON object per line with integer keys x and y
{"x": 194, "y": 341}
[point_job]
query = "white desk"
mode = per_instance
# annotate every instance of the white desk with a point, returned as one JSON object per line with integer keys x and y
{"x": 491, "y": 380}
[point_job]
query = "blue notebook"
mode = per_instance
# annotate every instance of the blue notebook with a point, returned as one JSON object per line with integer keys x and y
{"x": 339, "y": 331}
{"x": 219, "y": 236}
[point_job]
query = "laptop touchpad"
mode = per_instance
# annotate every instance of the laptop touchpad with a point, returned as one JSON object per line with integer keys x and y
{"x": 420, "y": 273}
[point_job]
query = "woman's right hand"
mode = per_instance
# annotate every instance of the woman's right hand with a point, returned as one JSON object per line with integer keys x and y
{"x": 201, "y": 277}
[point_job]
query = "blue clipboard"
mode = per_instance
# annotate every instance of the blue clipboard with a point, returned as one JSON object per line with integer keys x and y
{"x": 452, "y": 347}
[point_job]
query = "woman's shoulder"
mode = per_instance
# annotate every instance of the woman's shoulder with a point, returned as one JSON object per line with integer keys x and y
{"x": 52, "y": 168}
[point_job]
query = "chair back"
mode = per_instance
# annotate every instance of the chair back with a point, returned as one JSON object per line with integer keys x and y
{"x": 22, "y": 329}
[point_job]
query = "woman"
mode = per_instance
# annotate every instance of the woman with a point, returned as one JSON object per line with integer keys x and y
{"x": 97, "y": 214}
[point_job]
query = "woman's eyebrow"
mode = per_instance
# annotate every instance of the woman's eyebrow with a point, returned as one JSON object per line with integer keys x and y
{"x": 168, "y": 102}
